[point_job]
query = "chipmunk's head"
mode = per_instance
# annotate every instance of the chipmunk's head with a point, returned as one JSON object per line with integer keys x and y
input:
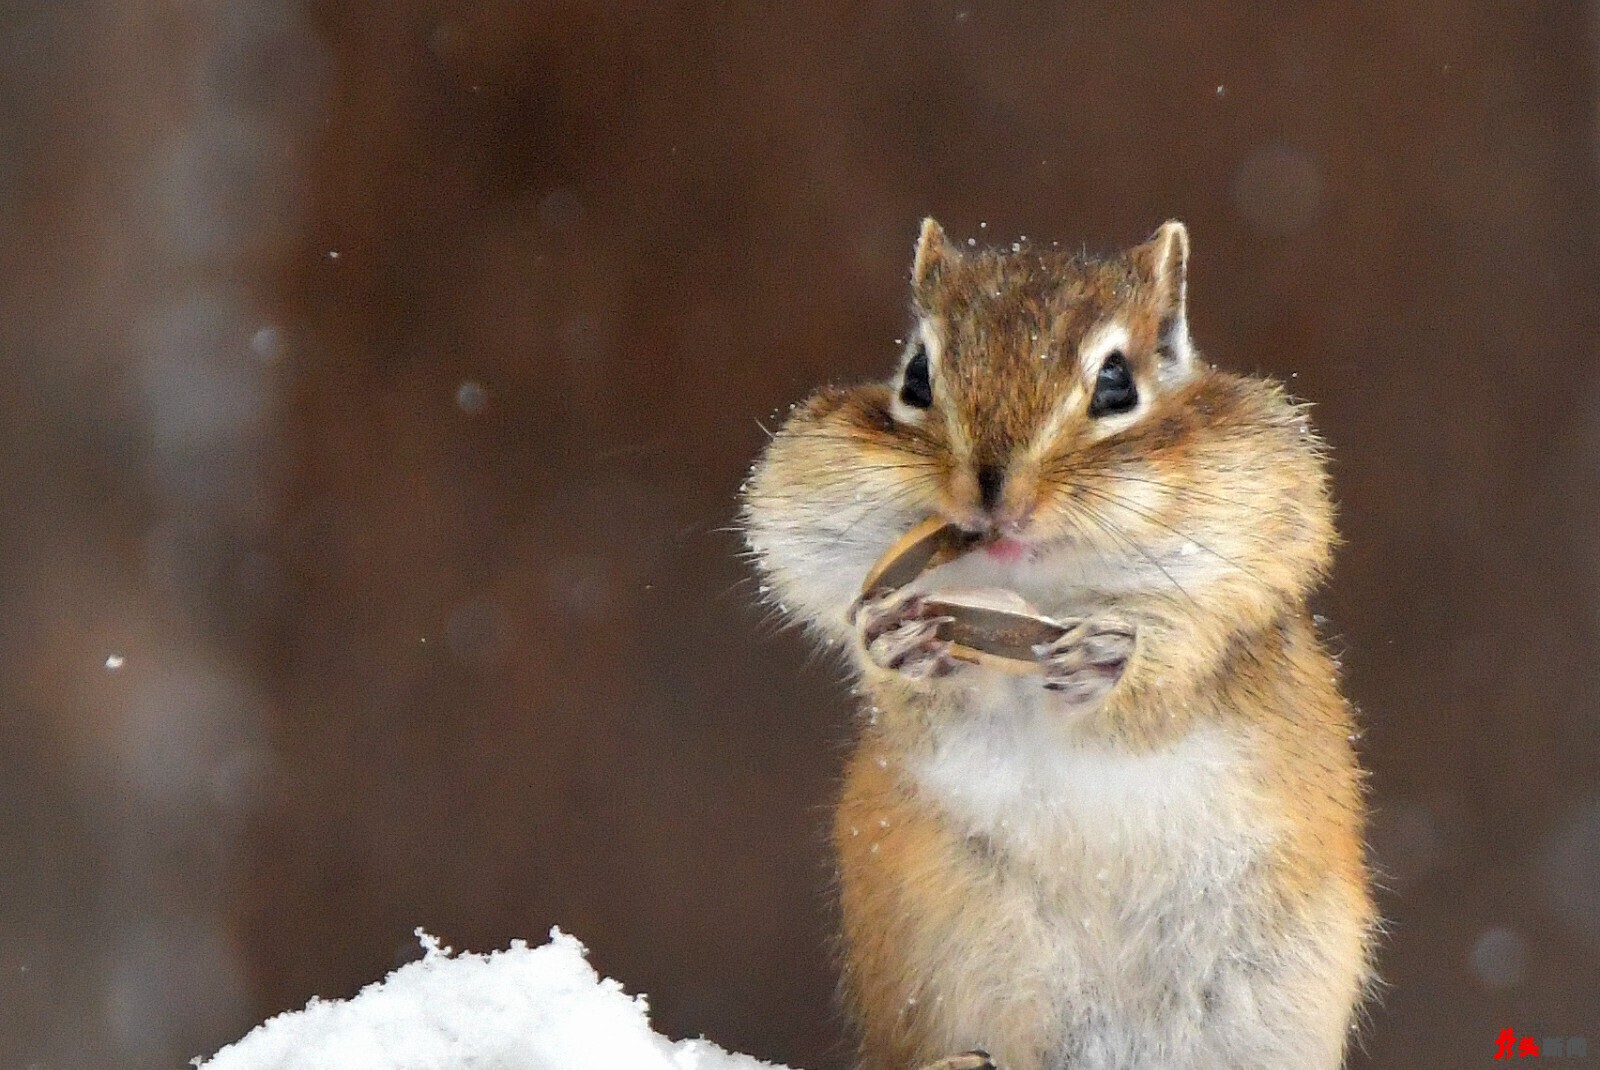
{"x": 1018, "y": 366}
{"x": 1056, "y": 405}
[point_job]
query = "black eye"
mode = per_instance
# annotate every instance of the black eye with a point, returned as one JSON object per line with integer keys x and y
{"x": 1113, "y": 387}
{"x": 916, "y": 388}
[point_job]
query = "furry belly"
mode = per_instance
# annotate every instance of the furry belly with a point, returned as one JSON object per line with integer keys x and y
{"x": 1072, "y": 910}
{"x": 1103, "y": 979}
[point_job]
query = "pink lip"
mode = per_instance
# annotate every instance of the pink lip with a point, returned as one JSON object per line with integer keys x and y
{"x": 1008, "y": 550}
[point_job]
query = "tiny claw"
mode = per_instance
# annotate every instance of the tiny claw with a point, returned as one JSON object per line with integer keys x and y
{"x": 885, "y": 615}
{"x": 895, "y": 636}
{"x": 908, "y": 637}
{"x": 1088, "y": 661}
{"x": 862, "y": 600}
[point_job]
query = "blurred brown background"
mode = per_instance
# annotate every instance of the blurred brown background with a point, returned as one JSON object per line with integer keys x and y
{"x": 378, "y": 377}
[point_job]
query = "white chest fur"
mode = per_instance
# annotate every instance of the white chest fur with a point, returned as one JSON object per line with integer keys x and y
{"x": 1011, "y": 770}
{"x": 1122, "y": 890}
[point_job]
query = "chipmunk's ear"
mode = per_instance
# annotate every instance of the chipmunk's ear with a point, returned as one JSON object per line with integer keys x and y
{"x": 935, "y": 256}
{"x": 1163, "y": 265}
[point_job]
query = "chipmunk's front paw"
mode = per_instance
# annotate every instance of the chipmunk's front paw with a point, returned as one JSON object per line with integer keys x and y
{"x": 1086, "y": 663}
{"x": 900, "y": 635}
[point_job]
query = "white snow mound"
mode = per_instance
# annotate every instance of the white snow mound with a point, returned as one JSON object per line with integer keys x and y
{"x": 525, "y": 1008}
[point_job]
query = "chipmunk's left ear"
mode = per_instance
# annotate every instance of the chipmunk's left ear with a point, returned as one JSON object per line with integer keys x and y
{"x": 1163, "y": 264}
{"x": 935, "y": 256}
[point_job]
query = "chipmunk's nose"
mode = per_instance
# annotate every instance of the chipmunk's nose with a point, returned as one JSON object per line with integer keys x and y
{"x": 990, "y": 498}
{"x": 991, "y": 483}
{"x": 1006, "y": 498}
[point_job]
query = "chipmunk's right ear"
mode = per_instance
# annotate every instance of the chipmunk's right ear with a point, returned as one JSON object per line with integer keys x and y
{"x": 935, "y": 256}
{"x": 1163, "y": 263}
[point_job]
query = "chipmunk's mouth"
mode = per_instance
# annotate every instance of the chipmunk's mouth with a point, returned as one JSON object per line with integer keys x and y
{"x": 1008, "y": 550}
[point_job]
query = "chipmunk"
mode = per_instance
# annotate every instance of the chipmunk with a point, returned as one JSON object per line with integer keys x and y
{"x": 1147, "y": 855}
